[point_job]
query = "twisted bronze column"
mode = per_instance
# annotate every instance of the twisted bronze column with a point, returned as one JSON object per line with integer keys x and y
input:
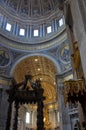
{"x": 9, "y": 115}
{"x": 16, "y": 115}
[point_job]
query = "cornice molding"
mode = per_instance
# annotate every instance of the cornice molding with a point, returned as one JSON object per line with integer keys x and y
{"x": 36, "y": 45}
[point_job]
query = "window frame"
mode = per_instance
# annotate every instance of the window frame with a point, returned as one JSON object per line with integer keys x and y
{"x": 8, "y": 27}
{"x": 21, "y": 32}
{"x": 49, "y": 29}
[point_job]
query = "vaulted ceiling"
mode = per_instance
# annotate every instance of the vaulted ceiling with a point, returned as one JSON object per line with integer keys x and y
{"x": 40, "y": 68}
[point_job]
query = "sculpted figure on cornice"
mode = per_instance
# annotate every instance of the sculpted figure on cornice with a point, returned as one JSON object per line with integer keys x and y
{"x": 77, "y": 61}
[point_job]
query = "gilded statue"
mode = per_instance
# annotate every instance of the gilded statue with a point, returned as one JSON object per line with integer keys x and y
{"x": 77, "y": 61}
{"x": 76, "y": 56}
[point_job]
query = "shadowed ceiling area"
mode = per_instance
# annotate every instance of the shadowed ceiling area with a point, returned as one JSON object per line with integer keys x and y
{"x": 40, "y": 68}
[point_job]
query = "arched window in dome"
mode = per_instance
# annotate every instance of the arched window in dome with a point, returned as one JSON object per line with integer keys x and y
{"x": 61, "y": 22}
{"x": 36, "y": 33}
{"x": 49, "y": 29}
{"x": 22, "y": 32}
{"x": 8, "y": 27}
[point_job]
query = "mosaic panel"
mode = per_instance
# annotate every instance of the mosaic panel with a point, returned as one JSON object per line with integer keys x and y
{"x": 28, "y": 6}
{"x": 4, "y": 58}
{"x": 65, "y": 54}
{"x": 13, "y": 4}
{"x": 24, "y": 8}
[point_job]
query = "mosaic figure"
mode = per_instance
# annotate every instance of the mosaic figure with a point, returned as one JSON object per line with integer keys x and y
{"x": 4, "y": 58}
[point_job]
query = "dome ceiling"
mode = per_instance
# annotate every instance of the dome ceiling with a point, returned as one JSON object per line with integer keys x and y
{"x": 31, "y": 22}
{"x": 30, "y": 8}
